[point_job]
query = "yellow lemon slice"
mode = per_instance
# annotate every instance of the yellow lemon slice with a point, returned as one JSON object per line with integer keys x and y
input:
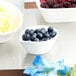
{"x": 5, "y": 22}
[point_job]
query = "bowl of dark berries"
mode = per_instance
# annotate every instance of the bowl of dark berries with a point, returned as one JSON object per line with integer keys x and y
{"x": 38, "y": 39}
{"x": 54, "y": 11}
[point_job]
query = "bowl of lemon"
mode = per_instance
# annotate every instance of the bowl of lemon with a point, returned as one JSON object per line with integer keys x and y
{"x": 11, "y": 20}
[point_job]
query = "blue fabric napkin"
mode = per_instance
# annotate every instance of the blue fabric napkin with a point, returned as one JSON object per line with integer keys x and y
{"x": 43, "y": 68}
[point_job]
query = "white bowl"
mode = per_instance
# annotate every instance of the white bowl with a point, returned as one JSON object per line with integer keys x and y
{"x": 17, "y": 19}
{"x": 42, "y": 47}
{"x": 54, "y": 15}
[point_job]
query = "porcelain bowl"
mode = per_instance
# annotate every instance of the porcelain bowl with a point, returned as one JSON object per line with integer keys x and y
{"x": 16, "y": 22}
{"x": 40, "y": 47}
{"x": 56, "y": 15}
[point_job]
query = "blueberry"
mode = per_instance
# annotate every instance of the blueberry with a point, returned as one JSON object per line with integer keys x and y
{"x": 50, "y": 34}
{"x": 28, "y": 36}
{"x": 33, "y": 35}
{"x": 37, "y": 30}
{"x": 53, "y": 34}
{"x": 39, "y": 35}
{"x": 46, "y": 34}
{"x": 50, "y": 37}
{"x": 32, "y": 38}
{"x": 27, "y": 31}
{"x": 42, "y": 30}
{"x": 50, "y": 29}
{"x": 25, "y": 37}
{"x": 45, "y": 39}
{"x": 36, "y": 39}
{"x": 31, "y": 31}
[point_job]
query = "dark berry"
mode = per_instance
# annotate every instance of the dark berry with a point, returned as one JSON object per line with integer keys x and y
{"x": 34, "y": 35}
{"x": 67, "y": 0}
{"x": 66, "y": 4}
{"x": 74, "y": 5}
{"x": 45, "y": 39}
{"x": 60, "y": 1}
{"x": 46, "y": 34}
{"x": 31, "y": 31}
{"x": 50, "y": 3}
{"x": 36, "y": 39}
{"x": 42, "y": 30}
{"x": 50, "y": 33}
{"x": 50, "y": 37}
{"x": 39, "y": 35}
{"x": 61, "y": 5}
{"x": 73, "y": 1}
{"x": 50, "y": 29}
{"x": 32, "y": 38}
{"x": 26, "y": 37}
{"x": 44, "y": 5}
{"x": 37, "y": 30}
{"x": 53, "y": 34}
{"x": 23, "y": 37}
{"x": 57, "y": 6}
{"x": 27, "y": 31}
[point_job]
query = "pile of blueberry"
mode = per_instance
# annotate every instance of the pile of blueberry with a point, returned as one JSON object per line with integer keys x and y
{"x": 40, "y": 34}
{"x": 58, "y": 3}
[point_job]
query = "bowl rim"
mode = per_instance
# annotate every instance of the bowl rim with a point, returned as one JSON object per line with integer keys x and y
{"x": 38, "y": 5}
{"x": 37, "y": 26}
{"x": 21, "y": 21}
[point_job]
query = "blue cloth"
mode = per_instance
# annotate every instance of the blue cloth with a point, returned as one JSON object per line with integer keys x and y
{"x": 43, "y": 68}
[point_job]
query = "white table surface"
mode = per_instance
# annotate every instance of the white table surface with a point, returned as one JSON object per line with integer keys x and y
{"x": 13, "y": 55}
